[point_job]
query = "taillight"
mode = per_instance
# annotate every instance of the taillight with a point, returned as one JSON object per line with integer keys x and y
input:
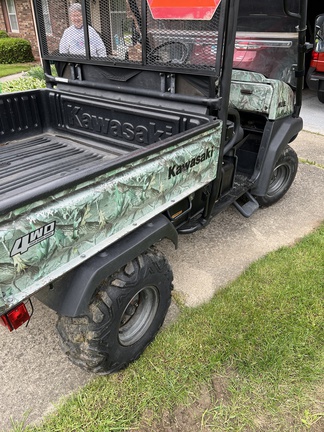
{"x": 15, "y": 318}
{"x": 247, "y": 46}
{"x": 4, "y": 322}
{"x": 315, "y": 55}
{"x": 257, "y": 44}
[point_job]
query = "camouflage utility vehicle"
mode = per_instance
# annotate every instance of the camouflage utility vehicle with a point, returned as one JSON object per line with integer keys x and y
{"x": 144, "y": 131}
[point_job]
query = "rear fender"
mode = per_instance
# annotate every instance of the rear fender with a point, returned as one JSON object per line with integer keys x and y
{"x": 71, "y": 294}
{"x": 276, "y": 136}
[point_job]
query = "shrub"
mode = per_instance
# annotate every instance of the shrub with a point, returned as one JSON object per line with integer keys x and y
{"x": 20, "y": 84}
{"x": 15, "y": 50}
{"x": 36, "y": 72}
{"x": 3, "y": 34}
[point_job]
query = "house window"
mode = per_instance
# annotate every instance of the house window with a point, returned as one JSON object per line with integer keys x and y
{"x": 12, "y": 15}
{"x": 47, "y": 18}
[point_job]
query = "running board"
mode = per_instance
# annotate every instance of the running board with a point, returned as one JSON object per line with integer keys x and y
{"x": 249, "y": 207}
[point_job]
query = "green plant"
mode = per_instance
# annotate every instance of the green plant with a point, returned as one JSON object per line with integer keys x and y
{"x": 36, "y": 72}
{"x": 20, "y": 426}
{"x": 3, "y": 34}
{"x": 20, "y": 84}
{"x": 309, "y": 419}
{"x": 15, "y": 50}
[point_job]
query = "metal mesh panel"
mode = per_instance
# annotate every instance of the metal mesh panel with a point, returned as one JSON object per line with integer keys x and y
{"x": 55, "y": 14}
{"x": 69, "y": 37}
{"x": 182, "y": 43}
{"x": 114, "y": 34}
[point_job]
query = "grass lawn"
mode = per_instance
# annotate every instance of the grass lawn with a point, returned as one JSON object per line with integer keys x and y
{"x": 6, "y": 69}
{"x": 252, "y": 359}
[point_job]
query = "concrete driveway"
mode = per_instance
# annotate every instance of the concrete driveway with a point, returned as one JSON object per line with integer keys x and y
{"x": 312, "y": 112}
{"x": 35, "y": 374}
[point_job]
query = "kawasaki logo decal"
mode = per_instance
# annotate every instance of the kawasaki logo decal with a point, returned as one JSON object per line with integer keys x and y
{"x": 175, "y": 170}
{"x": 24, "y": 243}
{"x": 116, "y": 128}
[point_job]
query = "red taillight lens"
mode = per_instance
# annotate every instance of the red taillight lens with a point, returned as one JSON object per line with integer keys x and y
{"x": 315, "y": 55}
{"x": 15, "y": 318}
{"x": 4, "y": 322}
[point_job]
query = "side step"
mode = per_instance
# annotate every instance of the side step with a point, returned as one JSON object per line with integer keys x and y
{"x": 249, "y": 207}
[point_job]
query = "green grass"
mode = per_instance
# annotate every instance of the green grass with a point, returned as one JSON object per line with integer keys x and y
{"x": 6, "y": 70}
{"x": 308, "y": 162}
{"x": 260, "y": 340}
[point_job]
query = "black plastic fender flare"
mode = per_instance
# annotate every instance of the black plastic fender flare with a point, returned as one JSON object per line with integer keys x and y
{"x": 276, "y": 136}
{"x": 71, "y": 294}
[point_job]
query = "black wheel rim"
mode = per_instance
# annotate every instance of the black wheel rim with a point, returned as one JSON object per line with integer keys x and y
{"x": 138, "y": 315}
{"x": 279, "y": 180}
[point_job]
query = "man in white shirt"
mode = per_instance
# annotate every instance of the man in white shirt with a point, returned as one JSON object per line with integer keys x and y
{"x": 72, "y": 41}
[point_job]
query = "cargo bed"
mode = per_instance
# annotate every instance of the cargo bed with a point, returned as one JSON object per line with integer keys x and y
{"x": 58, "y": 140}
{"x": 32, "y": 168}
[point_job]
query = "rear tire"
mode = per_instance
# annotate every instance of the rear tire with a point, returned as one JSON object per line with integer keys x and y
{"x": 123, "y": 316}
{"x": 320, "y": 95}
{"x": 283, "y": 175}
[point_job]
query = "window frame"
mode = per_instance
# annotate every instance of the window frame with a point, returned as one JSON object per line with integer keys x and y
{"x": 47, "y": 22}
{"x": 12, "y": 14}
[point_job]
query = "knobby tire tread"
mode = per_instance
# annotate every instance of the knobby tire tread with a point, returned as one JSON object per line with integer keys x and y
{"x": 90, "y": 342}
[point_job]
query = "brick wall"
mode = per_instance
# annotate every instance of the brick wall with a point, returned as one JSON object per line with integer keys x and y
{"x": 25, "y": 24}
{"x": 2, "y": 22}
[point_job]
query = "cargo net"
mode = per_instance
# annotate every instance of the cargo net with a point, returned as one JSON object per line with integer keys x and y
{"x": 114, "y": 34}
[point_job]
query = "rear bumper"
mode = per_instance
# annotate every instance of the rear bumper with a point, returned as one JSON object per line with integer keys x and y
{"x": 315, "y": 80}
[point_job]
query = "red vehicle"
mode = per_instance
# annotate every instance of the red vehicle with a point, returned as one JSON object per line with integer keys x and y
{"x": 315, "y": 75}
{"x": 266, "y": 40}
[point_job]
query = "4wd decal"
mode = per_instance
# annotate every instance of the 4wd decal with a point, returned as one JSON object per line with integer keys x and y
{"x": 175, "y": 170}
{"x": 24, "y": 243}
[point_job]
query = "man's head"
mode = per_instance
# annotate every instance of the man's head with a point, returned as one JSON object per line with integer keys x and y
{"x": 75, "y": 14}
